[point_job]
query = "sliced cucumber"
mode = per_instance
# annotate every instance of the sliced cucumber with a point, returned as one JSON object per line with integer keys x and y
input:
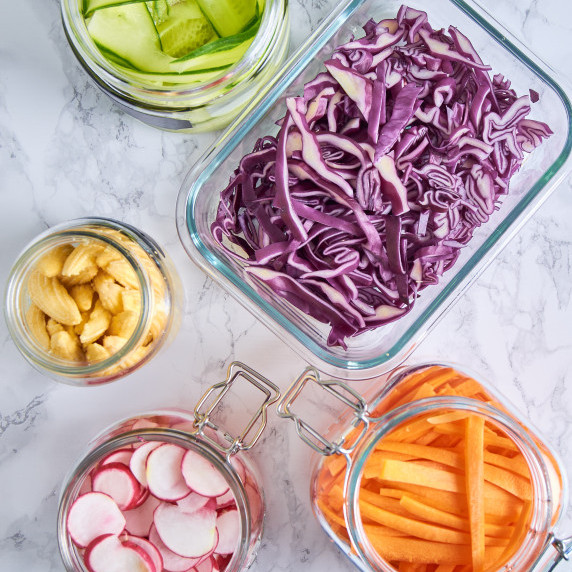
{"x": 129, "y": 32}
{"x": 185, "y": 29}
{"x": 90, "y": 6}
{"x": 229, "y": 17}
{"x": 218, "y": 53}
{"x": 159, "y": 10}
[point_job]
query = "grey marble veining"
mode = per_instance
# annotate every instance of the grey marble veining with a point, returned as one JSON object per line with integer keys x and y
{"x": 66, "y": 151}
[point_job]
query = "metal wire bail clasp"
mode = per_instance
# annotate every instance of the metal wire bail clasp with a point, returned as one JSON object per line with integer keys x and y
{"x": 218, "y": 437}
{"x": 338, "y": 390}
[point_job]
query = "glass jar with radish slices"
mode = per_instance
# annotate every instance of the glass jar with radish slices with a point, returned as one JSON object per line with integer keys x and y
{"x": 180, "y": 65}
{"x": 91, "y": 300}
{"x": 168, "y": 491}
{"x": 434, "y": 473}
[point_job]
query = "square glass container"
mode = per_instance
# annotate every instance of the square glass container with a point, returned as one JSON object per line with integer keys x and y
{"x": 379, "y": 350}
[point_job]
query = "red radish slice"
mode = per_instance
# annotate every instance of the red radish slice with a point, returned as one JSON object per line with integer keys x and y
{"x": 119, "y": 456}
{"x": 188, "y": 534}
{"x": 139, "y": 520}
{"x": 255, "y": 501}
{"x": 109, "y": 554}
{"x": 150, "y": 549}
{"x": 225, "y": 501}
{"x": 171, "y": 562}
{"x": 202, "y": 476}
{"x": 186, "y": 426}
{"x": 239, "y": 468}
{"x": 92, "y": 515}
{"x": 221, "y": 561}
{"x": 207, "y": 565}
{"x": 164, "y": 477}
{"x": 193, "y": 501}
{"x": 228, "y": 527}
{"x": 117, "y": 481}
{"x": 144, "y": 424}
{"x": 138, "y": 461}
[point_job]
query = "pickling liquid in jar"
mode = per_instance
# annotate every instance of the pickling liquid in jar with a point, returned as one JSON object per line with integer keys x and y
{"x": 438, "y": 475}
{"x": 151, "y": 493}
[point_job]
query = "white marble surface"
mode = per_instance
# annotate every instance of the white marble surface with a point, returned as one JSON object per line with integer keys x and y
{"x": 66, "y": 152}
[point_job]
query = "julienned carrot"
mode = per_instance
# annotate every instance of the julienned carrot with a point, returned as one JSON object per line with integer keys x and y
{"x": 413, "y": 527}
{"x": 417, "y": 487}
{"x": 424, "y": 551}
{"x": 475, "y": 487}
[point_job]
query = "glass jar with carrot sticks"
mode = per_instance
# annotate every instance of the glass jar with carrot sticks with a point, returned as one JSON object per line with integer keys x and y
{"x": 435, "y": 473}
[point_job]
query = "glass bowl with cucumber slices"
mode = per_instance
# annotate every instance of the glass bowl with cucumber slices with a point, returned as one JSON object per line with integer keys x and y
{"x": 180, "y": 65}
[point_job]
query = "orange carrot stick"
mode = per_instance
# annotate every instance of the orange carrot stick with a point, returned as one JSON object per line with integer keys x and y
{"x": 475, "y": 483}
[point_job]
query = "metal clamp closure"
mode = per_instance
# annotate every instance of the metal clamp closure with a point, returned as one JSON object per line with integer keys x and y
{"x": 309, "y": 434}
{"x": 214, "y": 396}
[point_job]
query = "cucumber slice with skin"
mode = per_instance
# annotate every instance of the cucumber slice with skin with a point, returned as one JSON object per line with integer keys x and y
{"x": 221, "y": 52}
{"x": 90, "y": 6}
{"x": 128, "y": 31}
{"x": 228, "y": 17}
{"x": 185, "y": 29}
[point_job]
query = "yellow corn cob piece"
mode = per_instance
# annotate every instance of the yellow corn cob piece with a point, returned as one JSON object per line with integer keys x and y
{"x": 81, "y": 258}
{"x": 96, "y": 326}
{"x": 51, "y": 263}
{"x": 106, "y": 256}
{"x": 66, "y": 346}
{"x": 96, "y": 352}
{"x": 83, "y": 277}
{"x": 36, "y": 320}
{"x": 123, "y": 324}
{"x": 109, "y": 292}
{"x": 123, "y": 273}
{"x": 53, "y": 299}
{"x": 83, "y": 296}
{"x": 113, "y": 343}
{"x": 131, "y": 301}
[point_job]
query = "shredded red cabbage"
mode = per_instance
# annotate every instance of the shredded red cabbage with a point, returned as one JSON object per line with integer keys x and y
{"x": 379, "y": 174}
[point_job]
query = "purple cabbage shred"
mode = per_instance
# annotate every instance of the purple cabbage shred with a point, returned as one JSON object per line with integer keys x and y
{"x": 379, "y": 175}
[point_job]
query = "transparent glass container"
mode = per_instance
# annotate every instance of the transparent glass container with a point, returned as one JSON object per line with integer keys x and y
{"x": 187, "y": 108}
{"x": 196, "y": 432}
{"x": 135, "y": 301}
{"x": 383, "y": 348}
{"x": 411, "y": 396}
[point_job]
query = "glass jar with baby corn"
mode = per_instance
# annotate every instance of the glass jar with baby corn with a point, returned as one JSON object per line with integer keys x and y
{"x": 433, "y": 473}
{"x": 91, "y": 300}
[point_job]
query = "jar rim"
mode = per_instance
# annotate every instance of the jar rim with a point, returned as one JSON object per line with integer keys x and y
{"x": 180, "y": 96}
{"x": 541, "y": 514}
{"x": 103, "y": 445}
{"x": 65, "y": 233}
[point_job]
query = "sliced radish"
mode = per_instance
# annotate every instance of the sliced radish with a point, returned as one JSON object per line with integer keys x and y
{"x": 188, "y": 534}
{"x": 164, "y": 477}
{"x": 144, "y": 424}
{"x": 239, "y": 468}
{"x": 221, "y": 561}
{"x": 92, "y": 515}
{"x": 202, "y": 476}
{"x": 255, "y": 502}
{"x": 193, "y": 501}
{"x": 138, "y": 461}
{"x": 171, "y": 562}
{"x": 109, "y": 554}
{"x": 117, "y": 481}
{"x": 228, "y": 527}
{"x": 226, "y": 501}
{"x": 207, "y": 565}
{"x": 150, "y": 549}
{"x": 139, "y": 520}
{"x": 119, "y": 456}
